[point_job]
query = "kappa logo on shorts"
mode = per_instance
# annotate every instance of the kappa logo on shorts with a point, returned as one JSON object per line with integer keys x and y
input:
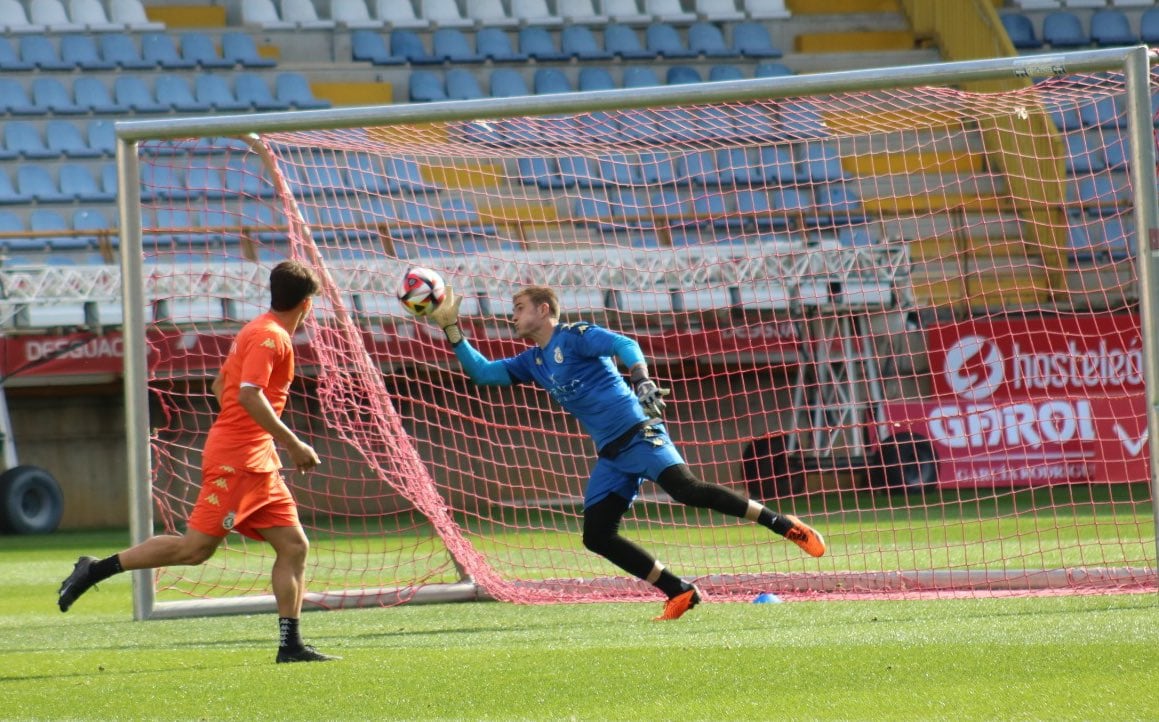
{"x": 227, "y": 522}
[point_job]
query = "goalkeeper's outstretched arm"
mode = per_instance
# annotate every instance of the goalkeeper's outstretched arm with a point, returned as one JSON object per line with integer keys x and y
{"x": 479, "y": 368}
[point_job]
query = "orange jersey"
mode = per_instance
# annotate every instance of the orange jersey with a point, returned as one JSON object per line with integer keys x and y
{"x": 262, "y": 355}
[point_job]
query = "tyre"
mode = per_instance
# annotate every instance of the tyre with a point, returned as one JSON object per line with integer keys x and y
{"x": 31, "y": 501}
{"x": 768, "y": 471}
{"x": 906, "y": 463}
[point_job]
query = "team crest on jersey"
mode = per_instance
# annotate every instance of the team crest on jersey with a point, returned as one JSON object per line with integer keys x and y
{"x": 558, "y": 355}
{"x": 227, "y": 522}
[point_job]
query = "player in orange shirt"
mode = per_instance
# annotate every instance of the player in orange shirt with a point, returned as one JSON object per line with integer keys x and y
{"x": 242, "y": 488}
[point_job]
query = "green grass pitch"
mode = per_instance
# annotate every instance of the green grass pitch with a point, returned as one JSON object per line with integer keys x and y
{"x": 1077, "y": 657}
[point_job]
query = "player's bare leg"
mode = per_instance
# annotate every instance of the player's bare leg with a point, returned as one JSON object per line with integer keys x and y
{"x": 288, "y": 579}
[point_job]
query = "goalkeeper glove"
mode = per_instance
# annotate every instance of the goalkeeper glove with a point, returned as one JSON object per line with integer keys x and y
{"x": 446, "y": 315}
{"x": 650, "y": 396}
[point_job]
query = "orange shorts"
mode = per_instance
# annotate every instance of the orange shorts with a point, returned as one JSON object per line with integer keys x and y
{"x": 242, "y": 501}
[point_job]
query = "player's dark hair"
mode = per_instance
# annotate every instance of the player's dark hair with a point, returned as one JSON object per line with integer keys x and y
{"x": 540, "y": 294}
{"x": 290, "y": 284}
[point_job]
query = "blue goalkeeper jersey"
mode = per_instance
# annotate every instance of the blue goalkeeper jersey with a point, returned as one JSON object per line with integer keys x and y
{"x": 578, "y": 369}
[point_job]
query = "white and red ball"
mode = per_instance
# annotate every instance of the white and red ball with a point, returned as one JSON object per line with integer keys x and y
{"x": 421, "y": 291}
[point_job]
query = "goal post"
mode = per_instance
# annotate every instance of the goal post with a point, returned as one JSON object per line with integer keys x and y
{"x": 864, "y": 286}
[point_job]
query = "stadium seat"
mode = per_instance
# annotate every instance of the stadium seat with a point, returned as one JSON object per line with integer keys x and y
{"x": 578, "y": 41}
{"x": 92, "y": 94}
{"x": 92, "y": 16}
{"x": 22, "y": 140}
{"x": 108, "y": 174}
{"x": 668, "y": 11}
{"x": 253, "y": 89}
{"x": 425, "y": 86}
{"x": 719, "y": 11}
{"x": 718, "y": 73}
{"x": 94, "y": 220}
{"x": 14, "y": 99}
{"x": 820, "y": 163}
{"x": 399, "y": 14}
{"x": 765, "y": 9}
{"x": 1103, "y": 194}
{"x": 494, "y": 44}
{"x": 462, "y": 85}
{"x": 81, "y": 51}
{"x": 621, "y": 170}
{"x": 407, "y": 44}
{"x": 752, "y": 40}
{"x": 754, "y": 207}
{"x": 174, "y": 91}
{"x": 507, "y": 83}
{"x": 132, "y": 92}
{"x": 794, "y": 202}
{"x": 1083, "y": 156}
{"x": 293, "y": 88}
{"x": 304, "y": 15}
{"x": 122, "y": 50}
{"x": 216, "y": 91}
{"x": 550, "y": 80}
{"x": 534, "y": 13}
{"x": 489, "y": 14}
{"x": 624, "y": 11}
{"x": 657, "y": 169}
{"x": 542, "y": 172}
{"x": 263, "y": 14}
{"x": 839, "y": 203}
{"x": 52, "y": 95}
{"x": 51, "y": 15}
{"x": 200, "y": 50}
{"x": 239, "y": 48}
{"x": 160, "y": 50}
{"x": 13, "y": 18}
{"x": 1117, "y": 152}
{"x": 698, "y": 168}
{"x": 450, "y": 45}
{"x": 40, "y": 52}
{"x": 444, "y": 13}
{"x": 772, "y": 70}
{"x": 1149, "y": 26}
{"x": 370, "y": 45}
{"x": 707, "y": 40}
{"x": 580, "y": 12}
{"x": 44, "y": 220}
{"x": 1062, "y": 29}
{"x": 682, "y": 74}
{"x": 10, "y": 57}
{"x": 131, "y": 14}
{"x": 595, "y": 79}
{"x": 537, "y": 43}
{"x": 352, "y": 14}
{"x": 858, "y": 236}
{"x": 1111, "y": 27}
{"x": 1021, "y": 31}
{"x": 78, "y": 182}
{"x": 206, "y": 181}
{"x": 101, "y": 137}
{"x": 776, "y": 165}
{"x": 664, "y": 41}
{"x": 640, "y": 76}
{"x": 623, "y": 42}
{"x": 1103, "y": 113}
{"x": 35, "y": 182}
{"x": 802, "y": 119}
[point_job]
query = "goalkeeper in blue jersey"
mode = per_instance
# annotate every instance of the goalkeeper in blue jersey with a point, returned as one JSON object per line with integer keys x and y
{"x": 577, "y": 364}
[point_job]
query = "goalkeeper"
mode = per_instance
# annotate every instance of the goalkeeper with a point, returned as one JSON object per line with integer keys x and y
{"x": 576, "y": 364}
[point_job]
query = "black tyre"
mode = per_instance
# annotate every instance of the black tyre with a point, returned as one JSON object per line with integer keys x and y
{"x": 906, "y": 463}
{"x": 768, "y": 471}
{"x": 31, "y": 501}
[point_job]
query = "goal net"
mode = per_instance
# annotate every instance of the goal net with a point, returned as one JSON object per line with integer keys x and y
{"x": 909, "y": 316}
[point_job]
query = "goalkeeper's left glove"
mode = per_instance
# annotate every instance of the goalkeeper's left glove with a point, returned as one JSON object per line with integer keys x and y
{"x": 446, "y": 314}
{"x": 650, "y": 396}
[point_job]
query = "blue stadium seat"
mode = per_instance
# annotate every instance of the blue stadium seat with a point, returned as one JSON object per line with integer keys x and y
{"x": 681, "y": 74}
{"x": 508, "y": 83}
{"x": 733, "y": 167}
{"x": 777, "y": 166}
{"x": 44, "y": 220}
{"x": 371, "y": 45}
{"x": 698, "y": 168}
{"x": 40, "y": 52}
{"x": 10, "y": 57}
{"x": 293, "y": 88}
{"x": 711, "y": 209}
{"x": 101, "y": 137}
{"x": 1103, "y": 113}
{"x": 159, "y": 181}
{"x": 1063, "y": 29}
{"x": 802, "y": 119}
{"x": 366, "y": 175}
{"x": 580, "y": 171}
{"x": 426, "y": 86}
{"x": 94, "y": 220}
{"x": 858, "y": 236}
{"x": 595, "y": 79}
{"x": 38, "y": 184}
{"x": 174, "y": 91}
{"x": 239, "y": 47}
{"x": 200, "y": 50}
{"x": 591, "y": 210}
{"x": 620, "y": 170}
{"x": 252, "y": 88}
{"x": 462, "y": 85}
{"x": 217, "y": 93}
{"x": 664, "y": 41}
{"x": 1021, "y": 31}
{"x": 122, "y": 50}
{"x": 578, "y": 41}
{"x": 1117, "y": 152}
{"x": 624, "y": 43}
{"x": 80, "y": 51}
{"x": 161, "y": 50}
{"x": 657, "y": 169}
{"x": 131, "y": 91}
{"x": 1082, "y": 155}
{"x": 246, "y": 177}
{"x": 542, "y": 172}
{"x": 820, "y": 163}
{"x": 450, "y": 45}
{"x": 772, "y": 70}
{"x": 52, "y": 95}
{"x": 408, "y": 45}
{"x": 77, "y": 181}
{"x": 550, "y": 80}
{"x": 707, "y": 40}
{"x": 1102, "y": 194}
{"x": 723, "y": 72}
{"x": 205, "y": 181}
{"x": 537, "y": 43}
{"x": 22, "y": 139}
{"x": 1111, "y": 27}
{"x": 321, "y": 177}
{"x": 12, "y": 223}
{"x": 640, "y": 76}
{"x": 108, "y": 174}
{"x": 792, "y": 201}
{"x": 754, "y": 207}
{"x": 752, "y": 40}
{"x": 494, "y": 44}
{"x": 1149, "y": 26}
{"x": 407, "y": 174}
{"x": 838, "y": 203}
{"x": 92, "y": 94}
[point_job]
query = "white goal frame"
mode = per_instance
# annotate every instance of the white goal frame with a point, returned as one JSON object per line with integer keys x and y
{"x": 136, "y": 295}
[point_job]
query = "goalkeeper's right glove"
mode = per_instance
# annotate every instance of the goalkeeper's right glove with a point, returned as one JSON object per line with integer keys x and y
{"x": 446, "y": 315}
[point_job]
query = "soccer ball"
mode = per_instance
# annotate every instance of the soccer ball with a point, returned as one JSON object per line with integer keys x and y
{"x": 421, "y": 291}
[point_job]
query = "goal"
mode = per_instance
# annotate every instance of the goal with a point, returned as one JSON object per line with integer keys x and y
{"x": 901, "y": 308}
